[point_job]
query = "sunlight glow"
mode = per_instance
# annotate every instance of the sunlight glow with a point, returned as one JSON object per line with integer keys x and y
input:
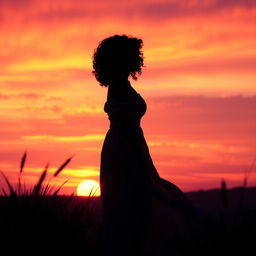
{"x": 89, "y": 137}
{"x": 88, "y": 188}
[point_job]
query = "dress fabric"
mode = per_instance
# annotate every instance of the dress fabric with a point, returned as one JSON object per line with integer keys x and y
{"x": 131, "y": 188}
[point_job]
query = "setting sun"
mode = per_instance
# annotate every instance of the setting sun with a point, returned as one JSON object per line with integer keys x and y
{"x": 88, "y": 187}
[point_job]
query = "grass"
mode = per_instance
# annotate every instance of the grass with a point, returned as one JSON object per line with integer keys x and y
{"x": 37, "y": 219}
{"x": 39, "y": 189}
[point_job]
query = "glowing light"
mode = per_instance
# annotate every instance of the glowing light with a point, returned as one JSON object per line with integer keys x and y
{"x": 88, "y": 188}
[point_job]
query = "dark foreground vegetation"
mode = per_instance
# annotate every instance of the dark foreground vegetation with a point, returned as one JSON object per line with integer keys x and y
{"x": 38, "y": 220}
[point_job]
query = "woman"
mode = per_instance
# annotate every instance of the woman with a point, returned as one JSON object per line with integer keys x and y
{"x": 130, "y": 184}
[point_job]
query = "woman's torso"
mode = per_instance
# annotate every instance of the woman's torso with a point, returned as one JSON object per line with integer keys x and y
{"x": 125, "y": 107}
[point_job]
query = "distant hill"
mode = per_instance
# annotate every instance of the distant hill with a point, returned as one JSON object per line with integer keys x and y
{"x": 236, "y": 197}
{"x": 206, "y": 199}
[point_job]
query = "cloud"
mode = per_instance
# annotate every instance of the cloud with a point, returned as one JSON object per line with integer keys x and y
{"x": 15, "y": 96}
{"x": 173, "y": 9}
{"x": 206, "y": 66}
{"x": 45, "y": 138}
{"x": 49, "y": 44}
{"x": 203, "y": 117}
{"x": 47, "y": 10}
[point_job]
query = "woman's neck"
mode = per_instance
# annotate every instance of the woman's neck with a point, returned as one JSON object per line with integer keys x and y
{"x": 118, "y": 89}
{"x": 119, "y": 82}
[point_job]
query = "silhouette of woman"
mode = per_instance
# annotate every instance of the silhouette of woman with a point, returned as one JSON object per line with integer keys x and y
{"x": 128, "y": 178}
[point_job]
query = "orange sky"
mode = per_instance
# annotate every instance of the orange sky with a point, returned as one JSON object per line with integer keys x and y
{"x": 199, "y": 84}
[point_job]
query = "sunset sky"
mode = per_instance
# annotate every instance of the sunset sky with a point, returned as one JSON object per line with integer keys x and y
{"x": 199, "y": 84}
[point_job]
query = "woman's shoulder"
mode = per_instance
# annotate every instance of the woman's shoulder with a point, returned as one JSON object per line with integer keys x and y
{"x": 122, "y": 104}
{"x": 121, "y": 99}
{"x": 121, "y": 92}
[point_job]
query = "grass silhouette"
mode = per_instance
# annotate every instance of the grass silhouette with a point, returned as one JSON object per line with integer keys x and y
{"x": 38, "y": 188}
{"x": 38, "y": 220}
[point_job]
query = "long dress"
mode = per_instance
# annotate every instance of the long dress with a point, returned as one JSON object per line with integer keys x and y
{"x": 132, "y": 192}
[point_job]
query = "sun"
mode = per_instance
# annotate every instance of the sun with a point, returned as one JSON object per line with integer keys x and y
{"x": 88, "y": 187}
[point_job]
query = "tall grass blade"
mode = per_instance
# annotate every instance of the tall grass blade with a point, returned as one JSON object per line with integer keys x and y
{"x": 5, "y": 194}
{"x": 62, "y": 166}
{"x": 46, "y": 189}
{"x": 23, "y": 162}
{"x": 12, "y": 192}
{"x": 245, "y": 181}
{"x": 59, "y": 188}
{"x": 224, "y": 193}
{"x": 93, "y": 191}
{"x": 18, "y": 190}
{"x": 37, "y": 187}
{"x": 23, "y": 189}
{"x": 50, "y": 189}
{"x": 248, "y": 172}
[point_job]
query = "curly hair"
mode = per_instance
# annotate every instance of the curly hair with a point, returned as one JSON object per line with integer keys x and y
{"x": 117, "y": 56}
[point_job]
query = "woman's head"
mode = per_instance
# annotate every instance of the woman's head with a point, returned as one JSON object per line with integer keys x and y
{"x": 117, "y": 57}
